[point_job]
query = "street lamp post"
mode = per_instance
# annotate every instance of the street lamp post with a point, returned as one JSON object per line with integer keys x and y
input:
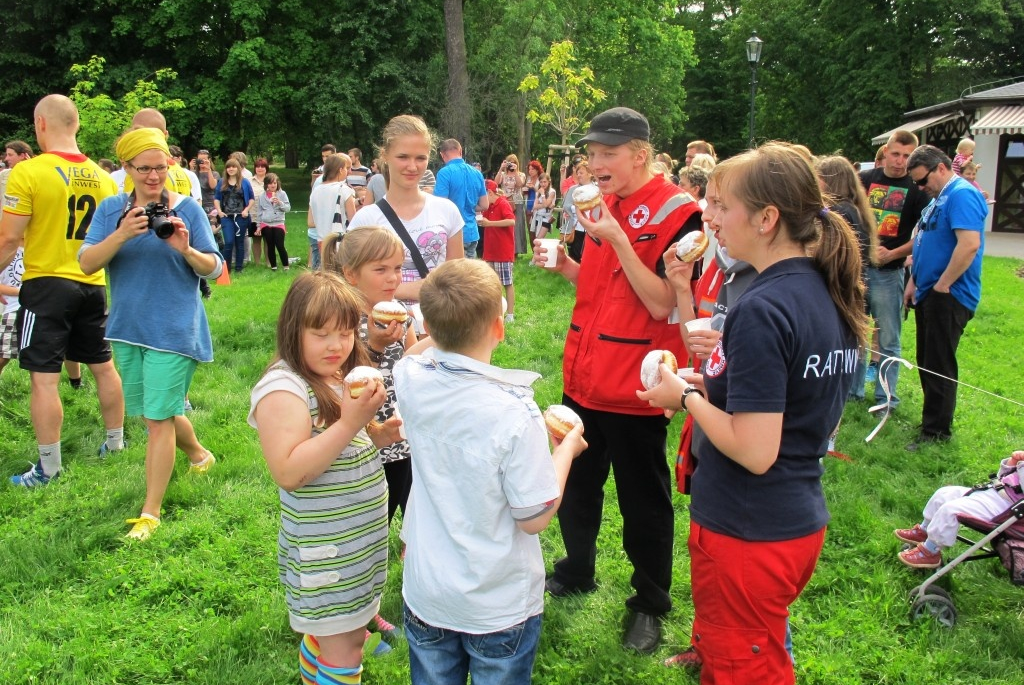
{"x": 754, "y": 45}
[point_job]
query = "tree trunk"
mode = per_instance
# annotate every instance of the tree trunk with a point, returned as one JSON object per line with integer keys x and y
{"x": 457, "y": 111}
{"x": 522, "y": 149}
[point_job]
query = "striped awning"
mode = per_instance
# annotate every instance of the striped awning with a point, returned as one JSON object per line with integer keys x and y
{"x": 1000, "y": 120}
{"x": 914, "y": 126}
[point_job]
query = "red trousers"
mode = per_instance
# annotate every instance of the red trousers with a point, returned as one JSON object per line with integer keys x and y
{"x": 741, "y": 596}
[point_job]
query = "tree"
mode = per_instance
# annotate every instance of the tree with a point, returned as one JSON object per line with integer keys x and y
{"x": 102, "y": 118}
{"x": 457, "y": 110}
{"x": 567, "y": 95}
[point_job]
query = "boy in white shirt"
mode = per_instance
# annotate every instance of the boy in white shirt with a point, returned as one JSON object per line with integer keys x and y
{"x": 484, "y": 485}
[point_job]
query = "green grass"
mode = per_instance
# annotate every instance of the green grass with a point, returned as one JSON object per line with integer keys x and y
{"x": 200, "y": 602}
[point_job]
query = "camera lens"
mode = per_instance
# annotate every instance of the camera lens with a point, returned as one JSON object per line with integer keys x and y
{"x": 162, "y": 226}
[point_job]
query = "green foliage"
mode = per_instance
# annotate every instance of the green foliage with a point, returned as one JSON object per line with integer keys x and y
{"x": 103, "y": 118}
{"x": 567, "y": 95}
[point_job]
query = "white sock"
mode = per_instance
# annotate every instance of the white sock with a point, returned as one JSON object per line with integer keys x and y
{"x": 115, "y": 439}
{"x": 49, "y": 458}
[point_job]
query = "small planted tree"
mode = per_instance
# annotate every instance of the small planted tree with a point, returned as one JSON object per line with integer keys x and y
{"x": 102, "y": 118}
{"x": 565, "y": 95}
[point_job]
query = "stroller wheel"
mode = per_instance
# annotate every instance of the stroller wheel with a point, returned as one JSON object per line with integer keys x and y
{"x": 932, "y": 589}
{"x": 938, "y": 606}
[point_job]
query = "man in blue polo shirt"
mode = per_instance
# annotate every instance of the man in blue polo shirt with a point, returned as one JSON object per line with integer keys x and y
{"x": 463, "y": 185}
{"x": 945, "y": 283}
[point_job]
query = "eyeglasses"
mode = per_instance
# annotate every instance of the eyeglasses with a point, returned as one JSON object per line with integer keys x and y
{"x": 147, "y": 170}
{"x": 203, "y": 152}
{"x": 924, "y": 179}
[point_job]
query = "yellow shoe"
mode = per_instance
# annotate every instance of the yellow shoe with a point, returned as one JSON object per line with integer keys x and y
{"x": 143, "y": 528}
{"x": 204, "y": 465}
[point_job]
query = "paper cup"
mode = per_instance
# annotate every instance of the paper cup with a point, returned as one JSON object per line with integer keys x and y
{"x": 551, "y": 247}
{"x": 683, "y": 373}
{"x": 698, "y": 325}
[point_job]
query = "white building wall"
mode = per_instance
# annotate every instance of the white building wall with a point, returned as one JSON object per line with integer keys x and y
{"x": 986, "y": 153}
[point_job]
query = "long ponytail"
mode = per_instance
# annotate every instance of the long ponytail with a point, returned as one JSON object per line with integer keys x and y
{"x": 837, "y": 257}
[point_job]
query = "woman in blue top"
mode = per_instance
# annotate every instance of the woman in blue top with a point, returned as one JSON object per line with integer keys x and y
{"x": 157, "y": 323}
{"x": 233, "y": 201}
{"x": 775, "y": 385}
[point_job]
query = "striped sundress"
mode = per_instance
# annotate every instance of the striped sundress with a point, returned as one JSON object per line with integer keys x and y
{"x": 332, "y": 543}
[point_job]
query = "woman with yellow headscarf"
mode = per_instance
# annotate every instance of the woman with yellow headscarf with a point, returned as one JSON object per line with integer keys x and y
{"x": 155, "y": 245}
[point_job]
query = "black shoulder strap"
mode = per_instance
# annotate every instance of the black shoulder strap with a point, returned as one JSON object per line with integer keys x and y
{"x": 396, "y": 223}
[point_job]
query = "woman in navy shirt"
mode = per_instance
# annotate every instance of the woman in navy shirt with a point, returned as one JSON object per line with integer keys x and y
{"x": 775, "y": 386}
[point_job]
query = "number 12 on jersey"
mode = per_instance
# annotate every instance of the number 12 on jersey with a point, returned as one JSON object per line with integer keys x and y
{"x": 80, "y": 211}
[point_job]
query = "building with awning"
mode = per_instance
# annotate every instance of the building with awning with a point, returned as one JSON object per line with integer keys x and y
{"x": 994, "y": 118}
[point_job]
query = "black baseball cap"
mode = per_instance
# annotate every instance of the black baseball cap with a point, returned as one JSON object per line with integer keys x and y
{"x": 617, "y": 126}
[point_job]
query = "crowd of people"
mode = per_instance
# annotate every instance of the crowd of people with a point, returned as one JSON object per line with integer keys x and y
{"x": 801, "y": 252}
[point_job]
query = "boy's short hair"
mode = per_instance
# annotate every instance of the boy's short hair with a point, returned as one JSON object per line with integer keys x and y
{"x": 460, "y": 301}
{"x": 902, "y": 137}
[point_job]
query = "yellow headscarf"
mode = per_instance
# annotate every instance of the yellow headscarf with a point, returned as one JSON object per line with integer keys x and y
{"x": 139, "y": 140}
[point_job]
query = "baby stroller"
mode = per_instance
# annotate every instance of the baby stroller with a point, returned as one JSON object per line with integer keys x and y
{"x": 1005, "y": 536}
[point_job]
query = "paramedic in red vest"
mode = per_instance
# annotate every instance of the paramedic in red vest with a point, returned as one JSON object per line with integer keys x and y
{"x": 623, "y": 307}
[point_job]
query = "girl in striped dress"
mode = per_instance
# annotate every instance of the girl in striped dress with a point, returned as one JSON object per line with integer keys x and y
{"x": 332, "y": 542}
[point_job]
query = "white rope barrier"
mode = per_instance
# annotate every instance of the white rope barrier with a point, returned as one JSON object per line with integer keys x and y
{"x": 888, "y": 361}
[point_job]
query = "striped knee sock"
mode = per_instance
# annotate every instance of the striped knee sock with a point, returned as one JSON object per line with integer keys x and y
{"x": 309, "y": 651}
{"x": 337, "y": 675}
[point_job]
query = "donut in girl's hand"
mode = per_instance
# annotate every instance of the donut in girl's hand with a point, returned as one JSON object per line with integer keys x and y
{"x": 650, "y": 373}
{"x": 385, "y": 312}
{"x": 361, "y": 378}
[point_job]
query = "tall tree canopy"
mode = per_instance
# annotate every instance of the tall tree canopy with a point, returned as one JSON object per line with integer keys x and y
{"x": 282, "y": 77}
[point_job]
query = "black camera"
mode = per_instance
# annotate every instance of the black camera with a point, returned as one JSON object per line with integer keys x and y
{"x": 159, "y": 223}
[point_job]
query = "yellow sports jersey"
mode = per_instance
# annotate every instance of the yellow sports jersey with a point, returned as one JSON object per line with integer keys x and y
{"x": 177, "y": 181}
{"x": 60, "y": 192}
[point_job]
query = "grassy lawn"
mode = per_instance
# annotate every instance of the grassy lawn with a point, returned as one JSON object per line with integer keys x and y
{"x": 200, "y": 602}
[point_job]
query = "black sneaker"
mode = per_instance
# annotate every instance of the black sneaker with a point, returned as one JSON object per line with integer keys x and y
{"x": 926, "y": 439}
{"x": 643, "y": 633}
{"x": 557, "y": 588}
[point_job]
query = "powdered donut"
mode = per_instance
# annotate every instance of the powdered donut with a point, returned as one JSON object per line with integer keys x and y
{"x": 650, "y": 374}
{"x": 386, "y": 312}
{"x": 360, "y": 378}
{"x": 586, "y": 197}
{"x": 560, "y": 420}
{"x": 692, "y": 246}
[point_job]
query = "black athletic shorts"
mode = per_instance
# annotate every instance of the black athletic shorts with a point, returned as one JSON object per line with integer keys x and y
{"x": 61, "y": 319}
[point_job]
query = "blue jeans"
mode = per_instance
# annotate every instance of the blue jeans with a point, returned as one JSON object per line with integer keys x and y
{"x": 314, "y": 251}
{"x": 446, "y": 657}
{"x": 885, "y": 304}
{"x": 234, "y": 228}
{"x": 471, "y": 249}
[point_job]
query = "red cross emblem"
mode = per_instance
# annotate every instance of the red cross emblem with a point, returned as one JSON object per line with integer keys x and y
{"x": 639, "y": 216}
{"x": 716, "y": 362}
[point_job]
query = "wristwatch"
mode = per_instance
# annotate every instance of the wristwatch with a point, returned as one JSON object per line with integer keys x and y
{"x": 690, "y": 389}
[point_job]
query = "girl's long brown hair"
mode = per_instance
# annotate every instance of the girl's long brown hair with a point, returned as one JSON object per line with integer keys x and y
{"x": 777, "y": 175}
{"x": 317, "y": 299}
{"x": 843, "y": 184}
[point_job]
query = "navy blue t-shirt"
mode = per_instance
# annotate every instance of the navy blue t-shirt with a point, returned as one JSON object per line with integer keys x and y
{"x": 785, "y": 349}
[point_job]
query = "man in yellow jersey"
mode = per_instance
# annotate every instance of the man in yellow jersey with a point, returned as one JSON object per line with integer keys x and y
{"x": 49, "y": 203}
